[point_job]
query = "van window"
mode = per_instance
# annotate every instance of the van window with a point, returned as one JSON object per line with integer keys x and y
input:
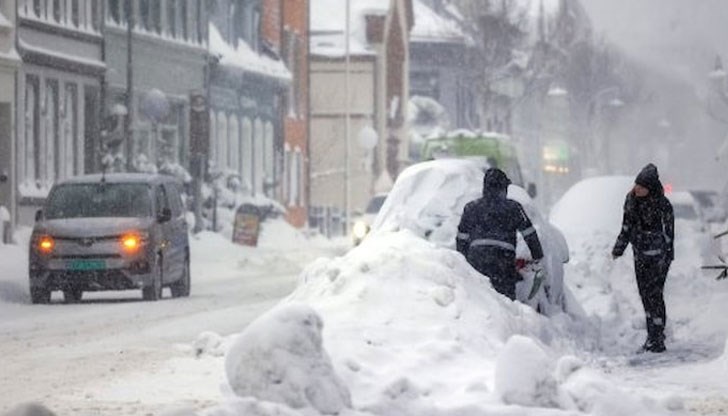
{"x": 160, "y": 199}
{"x": 175, "y": 202}
{"x": 93, "y": 200}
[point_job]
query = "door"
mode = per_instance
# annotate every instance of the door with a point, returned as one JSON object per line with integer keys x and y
{"x": 177, "y": 227}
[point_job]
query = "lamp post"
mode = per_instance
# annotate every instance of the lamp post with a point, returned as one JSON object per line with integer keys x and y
{"x": 347, "y": 121}
{"x": 128, "y": 121}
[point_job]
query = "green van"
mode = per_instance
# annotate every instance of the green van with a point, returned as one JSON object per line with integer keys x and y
{"x": 496, "y": 149}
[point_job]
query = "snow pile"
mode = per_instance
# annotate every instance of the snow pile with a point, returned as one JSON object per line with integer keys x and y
{"x": 524, "y": 375}
{"x": 244, "y": 57}
{"x": 280, "y": 358}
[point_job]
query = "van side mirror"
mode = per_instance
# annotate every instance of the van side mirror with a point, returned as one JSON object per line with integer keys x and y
{"x": 38, "y": 215}
{"x": 532, "y": 191}
{"x": 164, "y": 216}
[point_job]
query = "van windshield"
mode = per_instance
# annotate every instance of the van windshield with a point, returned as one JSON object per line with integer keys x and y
{"x": 89, "y": 200}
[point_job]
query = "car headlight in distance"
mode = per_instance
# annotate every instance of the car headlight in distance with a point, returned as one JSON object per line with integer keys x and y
{"x": 360, "y": 230}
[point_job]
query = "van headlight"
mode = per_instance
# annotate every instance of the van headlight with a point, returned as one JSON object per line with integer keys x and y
{"x": 360, "y": 230}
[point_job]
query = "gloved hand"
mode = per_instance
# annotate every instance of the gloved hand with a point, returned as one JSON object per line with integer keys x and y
{"x": 538, "y": 267}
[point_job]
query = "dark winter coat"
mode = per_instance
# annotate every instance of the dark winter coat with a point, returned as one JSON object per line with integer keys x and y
{"x": 487, "y": 230}
{"x": 648, "y": 223}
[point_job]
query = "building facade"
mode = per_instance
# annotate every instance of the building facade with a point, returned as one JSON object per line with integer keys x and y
{"x": 294, "y": 50}
{"x": 169, "y": 49}
{"x": 248, "y": 81}
{"x": 58, "y": 95}
{"x": 378, "y": 73}
{"x": 439, "y": 68}
{"x": 9, "y": 64}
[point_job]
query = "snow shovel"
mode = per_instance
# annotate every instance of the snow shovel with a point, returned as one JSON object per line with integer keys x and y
{"x": 537, "y": 281}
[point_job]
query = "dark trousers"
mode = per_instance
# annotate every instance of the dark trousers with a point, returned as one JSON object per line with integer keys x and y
{"x": 499, "y": 265}
{"x": 651, "y": 274}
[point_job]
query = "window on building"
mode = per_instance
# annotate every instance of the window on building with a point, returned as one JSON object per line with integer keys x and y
{"x": 269, "y": 156}
{"x": 49, "y": 144}
{"x": 222, "y": 141}
{"x": 213, "y": 136}
{"x": 201, "y": 21}
{"x": 183, "y": 19}
{"x": 292, "y": 63}
{"x": 75, "y": 13}
{"x": 172, "y": 17}
{"x": 254, "y": 38}
{"x": 286, "y": 179}
{"x": 233, "y": 144}
{"x": 69, "y": 132}
{"x": 54, "y": 7}
{"x": 32, "y": 128}
{"x": 150, "y": 12}
{"x": 258, "y": 156}
{"x": 247, "y": 152}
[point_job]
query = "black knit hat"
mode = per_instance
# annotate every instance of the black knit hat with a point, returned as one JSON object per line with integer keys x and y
{"x": 650, "y": 179}
{"x": 495, "y": 180}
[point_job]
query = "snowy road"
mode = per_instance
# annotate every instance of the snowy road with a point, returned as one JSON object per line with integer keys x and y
{"x": 67, "y": 356}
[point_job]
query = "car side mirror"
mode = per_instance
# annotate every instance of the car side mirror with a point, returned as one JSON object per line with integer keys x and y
{"x": 165, "y": 215}
{"x": 532, "y": 191}
{"x": 38, "y": 215}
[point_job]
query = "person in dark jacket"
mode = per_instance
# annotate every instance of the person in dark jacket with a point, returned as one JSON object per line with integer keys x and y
{"x": 487, "y": 234}
{"x": 648, "y": 224}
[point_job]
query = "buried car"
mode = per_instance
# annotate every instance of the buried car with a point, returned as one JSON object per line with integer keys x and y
{"x": 110, "y": 232}
{"x": 428, "y": 199}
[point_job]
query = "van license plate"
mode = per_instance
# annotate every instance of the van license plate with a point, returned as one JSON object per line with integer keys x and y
{"x": 87, "y": 265}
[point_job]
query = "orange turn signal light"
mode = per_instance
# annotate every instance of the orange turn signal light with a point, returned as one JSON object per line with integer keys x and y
{"x": 46, "y": 244}
{"x": 131, "y": 242}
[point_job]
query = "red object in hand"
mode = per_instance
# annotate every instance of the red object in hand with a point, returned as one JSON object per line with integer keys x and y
{"x": 521, "y": 264}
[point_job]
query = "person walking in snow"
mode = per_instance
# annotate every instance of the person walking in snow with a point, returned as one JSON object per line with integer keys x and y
{"x": 487, "y": 234}
{"x": 648, "y": 224}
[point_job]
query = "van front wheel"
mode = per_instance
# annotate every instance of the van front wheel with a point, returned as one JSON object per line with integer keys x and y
{"x": 153, "y": 292}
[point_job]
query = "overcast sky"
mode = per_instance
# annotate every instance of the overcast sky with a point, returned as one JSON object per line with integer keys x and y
{"x": 680, "y": 36}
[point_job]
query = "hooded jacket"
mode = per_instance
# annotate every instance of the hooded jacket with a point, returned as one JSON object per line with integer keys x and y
{"x": 491, "y": 222}
{"x": 648, "y": 223}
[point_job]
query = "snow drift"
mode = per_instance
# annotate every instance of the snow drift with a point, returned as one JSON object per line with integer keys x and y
{"x": 280, "y": 358}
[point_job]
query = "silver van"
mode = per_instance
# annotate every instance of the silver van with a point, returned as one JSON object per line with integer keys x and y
{"x": 110, "y": 232}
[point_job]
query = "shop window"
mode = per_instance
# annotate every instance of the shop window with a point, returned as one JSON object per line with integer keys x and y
{"x": 247, "y": 152}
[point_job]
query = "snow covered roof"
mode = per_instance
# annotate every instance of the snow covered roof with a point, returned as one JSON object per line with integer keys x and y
{"x": 24, "y": 46}
{"x": 244, "y": 57}
{"x": 328, "y": 24}
{"x": 4, "y": 22}
{"x": 431, "y": 27}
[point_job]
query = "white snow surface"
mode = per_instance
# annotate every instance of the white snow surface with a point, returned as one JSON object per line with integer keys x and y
{"x": 280, "y": 358}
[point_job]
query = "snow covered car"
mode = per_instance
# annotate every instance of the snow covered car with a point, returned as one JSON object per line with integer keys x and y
{"x": 687, "y": 211}
{"x": 710, "y": 204}
{"x": 362, "y": 224}
{"x": 112, "y": 232}
{"x": 428, "y": 199}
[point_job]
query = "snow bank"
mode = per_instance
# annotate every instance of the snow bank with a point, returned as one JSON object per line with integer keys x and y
{"x": 280, "y": 358}
{"x": 524, "y": 375}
